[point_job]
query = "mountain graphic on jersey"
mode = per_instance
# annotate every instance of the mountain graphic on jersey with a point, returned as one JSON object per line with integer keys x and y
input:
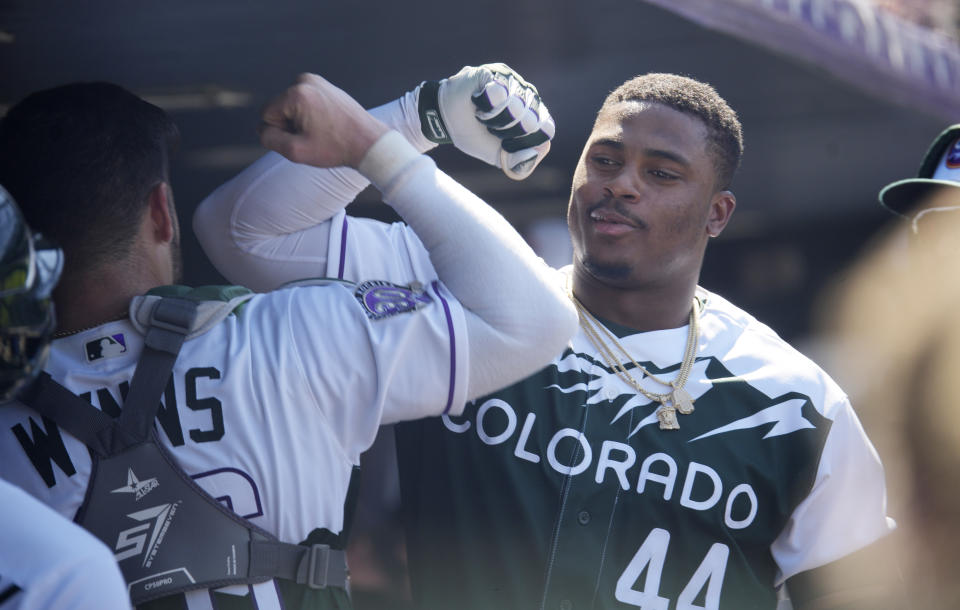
{"x": 786, "y": 416}
{"x": 567, "y": 476}
{"x": 597, "y": 422}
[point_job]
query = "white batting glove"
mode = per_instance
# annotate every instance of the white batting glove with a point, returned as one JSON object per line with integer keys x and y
{"x": 491, "y": 113}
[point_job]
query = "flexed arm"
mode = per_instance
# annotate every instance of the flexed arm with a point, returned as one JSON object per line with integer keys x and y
{"x": 517, "y": 316}
{"x": 268, "y": 225}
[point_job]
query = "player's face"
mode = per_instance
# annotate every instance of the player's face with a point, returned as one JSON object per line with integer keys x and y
{"x": 644, "y": 200}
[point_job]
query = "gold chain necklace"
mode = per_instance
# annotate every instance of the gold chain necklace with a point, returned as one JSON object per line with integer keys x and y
{"x": 677, "y": 399}
{"x": 67, "y": 333}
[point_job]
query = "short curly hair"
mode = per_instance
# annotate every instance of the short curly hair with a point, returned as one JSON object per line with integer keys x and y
{"x": 694, "y": 98}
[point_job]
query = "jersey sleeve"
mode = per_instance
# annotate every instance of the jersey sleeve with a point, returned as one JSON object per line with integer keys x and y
{"x": 362, "y": 248}
{"x": 846, "y": 509}
{"x": 270, "y": 224}
{"x": 370, "y": 354}
{"x": 517, "y": 314}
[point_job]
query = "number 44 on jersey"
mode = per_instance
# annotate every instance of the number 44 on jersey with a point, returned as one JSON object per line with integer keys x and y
{"x": 651, "y": 556}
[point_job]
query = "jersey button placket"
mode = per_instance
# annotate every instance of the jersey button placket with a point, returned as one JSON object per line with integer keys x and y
{"x": 583, "y": 517}
{"x": 566, "y": 604}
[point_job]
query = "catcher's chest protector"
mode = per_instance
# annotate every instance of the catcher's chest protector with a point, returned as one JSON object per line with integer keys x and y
{"x": 168, "y": 534}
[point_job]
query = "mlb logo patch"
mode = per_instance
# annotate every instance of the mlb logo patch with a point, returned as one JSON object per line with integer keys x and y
{"x": 106, "y": 347}
{"x": 953, "y": 155}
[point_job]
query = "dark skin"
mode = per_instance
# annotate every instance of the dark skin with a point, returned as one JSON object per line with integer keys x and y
{"x": 644, "y": 203}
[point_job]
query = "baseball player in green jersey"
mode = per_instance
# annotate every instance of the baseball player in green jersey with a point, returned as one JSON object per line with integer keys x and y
{"x": 266, "y": 401}
{"x": 675, "y": 455}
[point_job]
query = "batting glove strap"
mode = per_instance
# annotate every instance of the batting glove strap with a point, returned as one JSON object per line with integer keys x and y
{"x": 490, "y": 113}
{"x": 428, "y": 107}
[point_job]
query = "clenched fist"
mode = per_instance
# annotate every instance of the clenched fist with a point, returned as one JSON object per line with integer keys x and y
{"x": 316, "y": 123}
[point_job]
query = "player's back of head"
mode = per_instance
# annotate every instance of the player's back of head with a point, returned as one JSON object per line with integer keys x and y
{"x": 80, "y": 160}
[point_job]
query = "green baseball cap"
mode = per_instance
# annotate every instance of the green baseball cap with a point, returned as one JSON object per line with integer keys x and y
{"x": 940, "y": 170}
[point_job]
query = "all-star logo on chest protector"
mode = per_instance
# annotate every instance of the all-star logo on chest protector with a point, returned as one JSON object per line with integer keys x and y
{"x": 381, "y": 299}
{"x": 183, "y": 539}
{"x": 136, "y": 486}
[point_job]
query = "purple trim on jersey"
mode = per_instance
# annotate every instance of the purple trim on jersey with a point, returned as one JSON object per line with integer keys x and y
{"x": 453, "y": 346}
{"x": 213, "y": 600}
{"x": 253, "y": 597}
{"x": 343, "y": 249}
{"x": 276, "y": 587}
{"x": 226, "y": 500}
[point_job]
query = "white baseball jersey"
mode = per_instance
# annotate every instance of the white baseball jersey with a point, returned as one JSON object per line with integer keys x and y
{"x": 268, "y": 411}
{"x": 48, "y": 562}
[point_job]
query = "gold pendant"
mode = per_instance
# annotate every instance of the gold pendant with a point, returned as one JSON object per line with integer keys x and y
{"x": 682, "y": 401}
{"x": 668, "y": 418}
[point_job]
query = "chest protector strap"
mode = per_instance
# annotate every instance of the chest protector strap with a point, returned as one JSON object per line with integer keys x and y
{"x": 167, "y": 533}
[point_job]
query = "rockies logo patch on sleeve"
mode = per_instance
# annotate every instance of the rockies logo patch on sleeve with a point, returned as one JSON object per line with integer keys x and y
{"x": 381, "y": 299}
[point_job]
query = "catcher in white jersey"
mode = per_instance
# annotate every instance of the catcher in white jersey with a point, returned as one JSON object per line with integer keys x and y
{"x": 45, "y": 560}
{"x": 272, "y": 397}
{"x": 676, "y": 454}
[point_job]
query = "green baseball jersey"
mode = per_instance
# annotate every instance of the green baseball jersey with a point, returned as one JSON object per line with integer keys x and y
{"x": 562, "y": 492}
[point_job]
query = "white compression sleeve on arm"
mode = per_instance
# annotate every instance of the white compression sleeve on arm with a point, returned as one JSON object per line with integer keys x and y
{"x": 265, "y": 226}
{"x": 518, "y": 316}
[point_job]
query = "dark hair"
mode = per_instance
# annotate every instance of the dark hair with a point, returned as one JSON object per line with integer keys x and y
{"x": 695, "y": 98}
{"x": 80, "y": 160}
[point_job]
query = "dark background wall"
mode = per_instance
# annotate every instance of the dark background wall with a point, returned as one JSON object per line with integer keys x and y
{"x": 818, "y": 150}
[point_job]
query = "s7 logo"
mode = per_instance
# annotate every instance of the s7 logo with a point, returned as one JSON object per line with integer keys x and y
{"x": 131, "y": 541}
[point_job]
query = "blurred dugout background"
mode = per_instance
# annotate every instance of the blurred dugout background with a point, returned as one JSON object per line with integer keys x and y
{"x": 837, "y": 98}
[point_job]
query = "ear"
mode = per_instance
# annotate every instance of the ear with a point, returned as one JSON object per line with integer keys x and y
{"x": 159, "y": 209}
{"x": 721, "y": 209}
